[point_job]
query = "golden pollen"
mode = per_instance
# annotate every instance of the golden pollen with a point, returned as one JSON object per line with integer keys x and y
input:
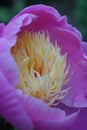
{"x": 43, "y": 70}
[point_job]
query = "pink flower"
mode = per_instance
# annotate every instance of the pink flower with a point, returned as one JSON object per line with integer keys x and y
{"x": 42, "y": 71}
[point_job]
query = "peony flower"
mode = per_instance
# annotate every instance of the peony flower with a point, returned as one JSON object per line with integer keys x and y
{"x": 42, "y": 71}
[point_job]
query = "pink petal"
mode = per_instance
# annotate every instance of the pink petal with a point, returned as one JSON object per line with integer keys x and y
{"x": 36, "y": 9}
{"x": 67, "y": 40}
{"x": 43, "y": 116}
{"x": 48, "y": 15}
{"x": 84, "y": 49}
{"x": 10, "y": 107}
{"x": 14, "y": 26}
{"x": 1, "y": 28}
{"x": 81, "y": 121}
{"x": 44, "y": 20}
{"x": 68, "y": 27}
{"x": 77, "y": 96}
{"x": 70, "y": 44}
{"x": 7, "y": 63}
{"x": 45, "y": 17}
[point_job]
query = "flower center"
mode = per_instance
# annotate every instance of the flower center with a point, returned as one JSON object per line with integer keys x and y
{"x": 43, "y": 70}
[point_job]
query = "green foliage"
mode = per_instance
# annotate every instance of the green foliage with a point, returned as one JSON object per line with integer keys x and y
{"x": 80, "y": 15}
{"x": 7, "y": 12}
{"x": 4, "y": 14}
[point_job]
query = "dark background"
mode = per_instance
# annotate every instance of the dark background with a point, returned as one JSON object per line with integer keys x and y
{"x": 74, "y": 9}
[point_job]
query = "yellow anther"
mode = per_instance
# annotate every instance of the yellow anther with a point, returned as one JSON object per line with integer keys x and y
{"x": 43, "y": 70}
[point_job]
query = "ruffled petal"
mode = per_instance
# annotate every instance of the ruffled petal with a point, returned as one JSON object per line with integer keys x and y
{"x": 10, "y": 108}
{"x": 64, "y": 24}
{"x": 43, "y": 116}
{"x": 47, "y": 15}
{"x": 46, "y": 18}
{"x": 14, "y": 26}
{"x": 36, "y": 9}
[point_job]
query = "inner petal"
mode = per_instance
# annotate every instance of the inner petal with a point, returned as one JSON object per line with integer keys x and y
{"x": 43, "y": 70}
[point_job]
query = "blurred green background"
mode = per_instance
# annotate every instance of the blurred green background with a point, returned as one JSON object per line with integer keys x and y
{"x": 75, "y": 10}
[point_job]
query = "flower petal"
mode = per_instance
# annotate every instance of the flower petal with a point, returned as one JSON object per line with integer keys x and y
{"x": 14, "y": 26}
{"x": 46, "y": 18}
{"x": 71, "y": 45}
{"x": 10, "y": 107}
{"x": 66, "y": 40}
{"x": 84, "y": 49}
{"x": 1, "y": 28}
{"x": 36, "y": 9}
{"x": 81, "y": 121}
{"x": 77, "y": 96}
{"x": 7, "y": 63}
{"x": 43, "y": 116}
{"x": 68, "y": 27}
{"x": 50, "y": 15}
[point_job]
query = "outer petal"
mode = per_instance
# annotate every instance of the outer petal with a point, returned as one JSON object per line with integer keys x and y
{"x": 36, "y": 9}
{"x": 41, "y": 17}
{"x": 10, "y": 107}
{"x": 14, "y": 26}
{"x": 47, "y": 15}
{"x": 1, "y": 28}
{"x": 43, "y": 116}
{"x": 70, "y": 44}
{"x": 84, "y": 49}
{"x": 7, "y": 64}
{"x": 68, "y": 27}
{"x": 81, "y": 121}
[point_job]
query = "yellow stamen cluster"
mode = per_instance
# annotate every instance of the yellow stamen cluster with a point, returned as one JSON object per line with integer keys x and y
{"x": 43, "y": 70}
